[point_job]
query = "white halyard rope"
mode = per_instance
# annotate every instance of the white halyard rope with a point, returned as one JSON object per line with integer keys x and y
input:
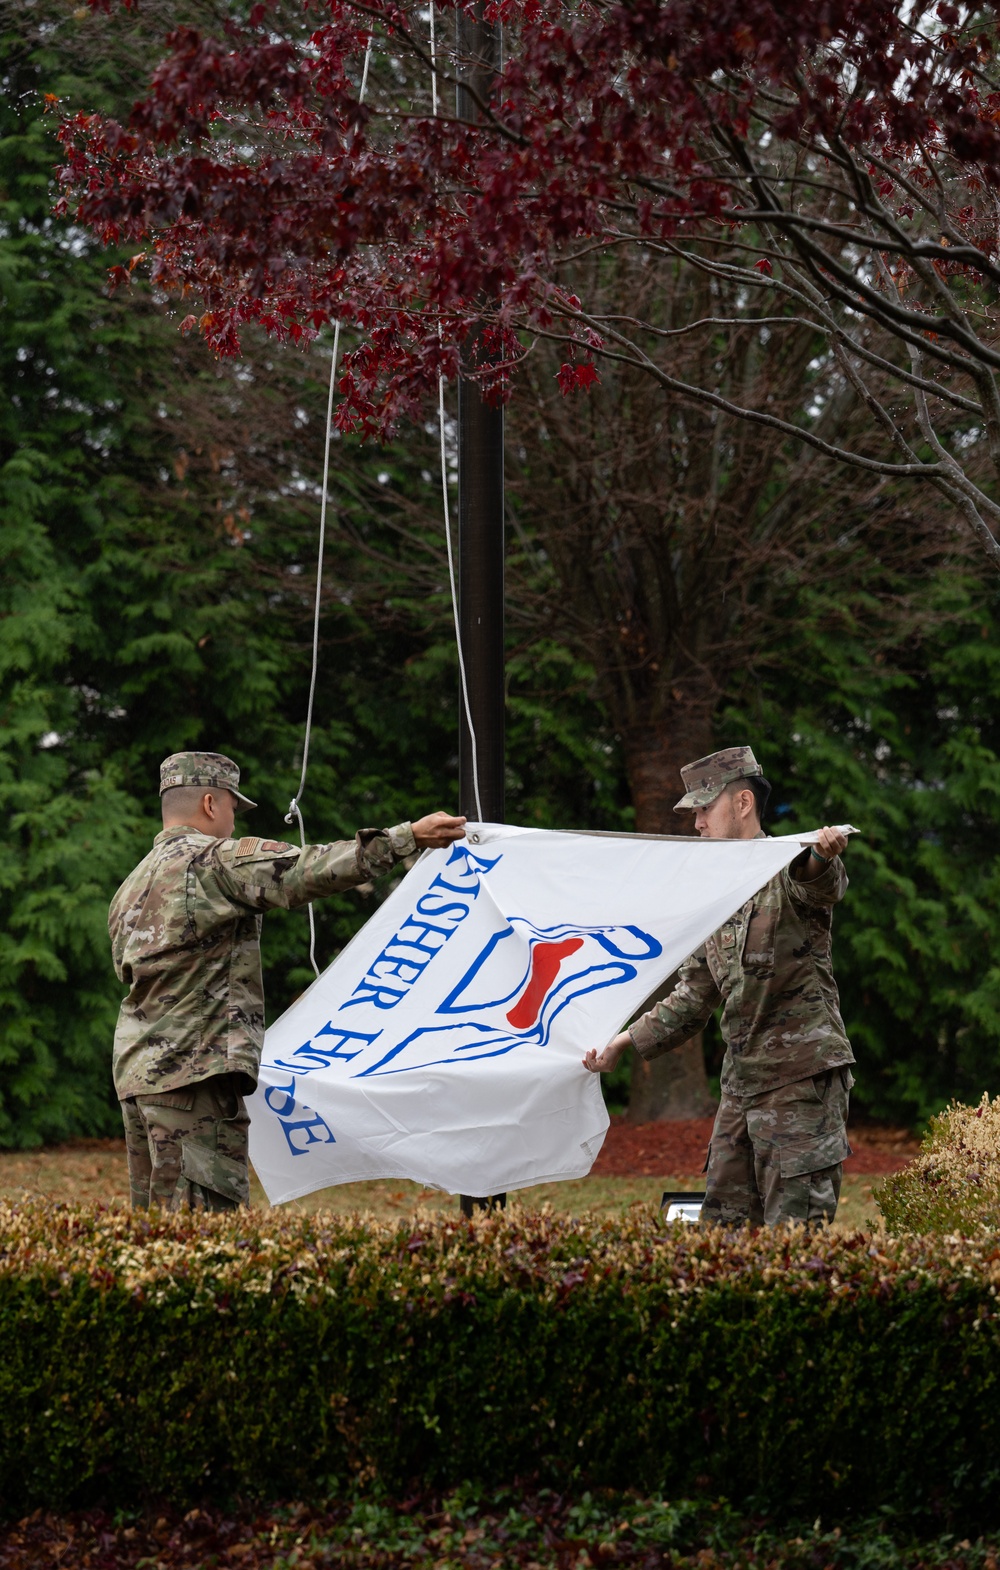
{"x": 294, "y": 813}
{"x": 454, "y": 606}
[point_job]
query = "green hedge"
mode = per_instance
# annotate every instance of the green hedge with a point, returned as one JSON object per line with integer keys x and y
{"x": 189, "y": 1358}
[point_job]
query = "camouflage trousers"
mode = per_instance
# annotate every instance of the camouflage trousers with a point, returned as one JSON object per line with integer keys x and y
{"x": 188, "y": 1147}
{"x": 778, "y": 1156}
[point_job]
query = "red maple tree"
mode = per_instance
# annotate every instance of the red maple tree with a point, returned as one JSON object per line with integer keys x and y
{"x": 837, "y": 161}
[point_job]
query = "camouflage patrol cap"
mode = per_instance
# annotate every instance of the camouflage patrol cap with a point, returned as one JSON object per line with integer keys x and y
{"x": 211, "y": 769}
{"x": 707, "y": 777}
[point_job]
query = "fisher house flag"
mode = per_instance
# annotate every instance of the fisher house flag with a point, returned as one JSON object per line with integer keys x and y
{"x": 444, "y": 1043}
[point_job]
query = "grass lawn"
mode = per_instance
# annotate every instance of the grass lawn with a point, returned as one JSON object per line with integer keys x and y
{"x": 95, "y": 1170}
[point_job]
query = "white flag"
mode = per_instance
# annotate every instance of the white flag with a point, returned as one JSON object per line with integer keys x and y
{"x": 444, "y": 1043}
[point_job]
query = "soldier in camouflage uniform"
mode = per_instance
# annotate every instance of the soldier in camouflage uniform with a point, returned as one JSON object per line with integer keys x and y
{"x": 185, "y": 936}
{"x": 780, "y": 1133}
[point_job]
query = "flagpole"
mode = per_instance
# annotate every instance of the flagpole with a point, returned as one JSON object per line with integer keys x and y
{"x": 480, "y": 523}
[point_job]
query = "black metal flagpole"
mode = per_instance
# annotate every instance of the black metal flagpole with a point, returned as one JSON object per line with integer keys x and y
{"x": 480, "y": 525}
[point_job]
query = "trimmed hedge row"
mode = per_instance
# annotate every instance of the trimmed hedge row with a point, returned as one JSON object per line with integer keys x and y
{"x": 273, "y": 1355}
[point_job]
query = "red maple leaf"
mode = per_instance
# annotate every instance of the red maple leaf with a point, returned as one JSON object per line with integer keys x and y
{"x": 572, "y": 378}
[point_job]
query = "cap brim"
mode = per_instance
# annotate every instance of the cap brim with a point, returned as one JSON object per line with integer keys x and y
{"x": 243, "y": 803}
{"x": 698, "y": 798}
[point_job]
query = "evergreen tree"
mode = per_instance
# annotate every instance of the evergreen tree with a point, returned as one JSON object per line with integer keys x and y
{"x": 903, "y": 742}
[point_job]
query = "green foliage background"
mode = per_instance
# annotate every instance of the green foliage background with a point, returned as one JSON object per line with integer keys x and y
{"x": 144, "y": 608}
{"x": 138, "y": 616}
{"x": 906, "y": 749}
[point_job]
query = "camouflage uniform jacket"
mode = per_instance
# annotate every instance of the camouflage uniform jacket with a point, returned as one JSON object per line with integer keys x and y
{"x": 185, "y": 936}
{"x": 770, "y": 966}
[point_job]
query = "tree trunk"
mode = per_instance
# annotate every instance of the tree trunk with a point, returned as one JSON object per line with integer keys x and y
{"x": 674, "y": 1086}
{"x": 670, "y": 1088}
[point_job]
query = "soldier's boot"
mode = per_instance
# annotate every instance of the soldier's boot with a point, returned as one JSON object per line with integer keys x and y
{"x": 197, "y": 1139}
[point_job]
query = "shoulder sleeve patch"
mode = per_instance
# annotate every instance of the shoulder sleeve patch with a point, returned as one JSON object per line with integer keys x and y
{"x": 247, "y": 847}
{"x": 278, "y": 848}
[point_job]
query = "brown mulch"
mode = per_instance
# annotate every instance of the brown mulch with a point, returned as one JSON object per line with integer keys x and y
{"x": 655, "y": 1149}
